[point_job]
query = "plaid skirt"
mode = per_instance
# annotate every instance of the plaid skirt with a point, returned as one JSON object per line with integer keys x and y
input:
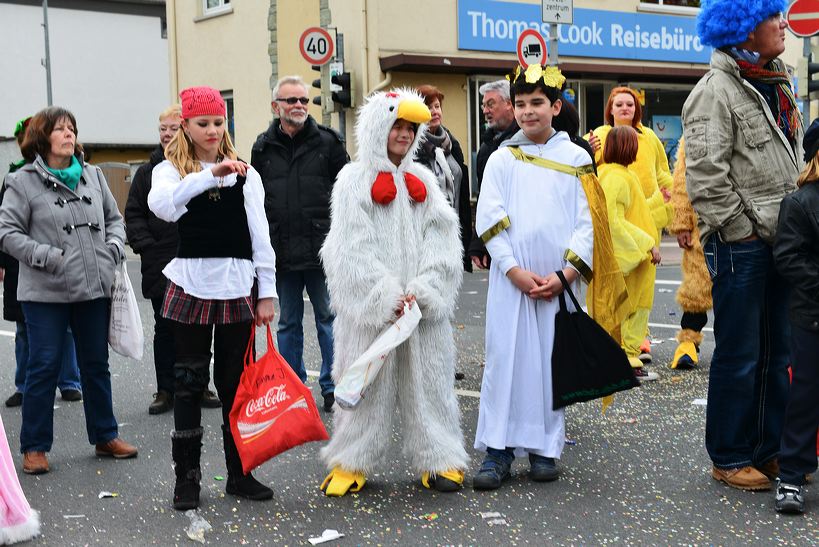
{"x": 181, "y": 307}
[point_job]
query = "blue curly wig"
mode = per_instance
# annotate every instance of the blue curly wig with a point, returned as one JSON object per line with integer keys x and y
{"x": 729, "y": 22}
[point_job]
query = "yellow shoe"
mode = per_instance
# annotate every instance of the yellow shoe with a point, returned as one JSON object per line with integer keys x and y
{"x": 686, "y": 356}
{"x": 339, "y": 482}
{"x": 445, "y": 481}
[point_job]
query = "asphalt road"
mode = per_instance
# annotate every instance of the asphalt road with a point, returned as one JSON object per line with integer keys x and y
{"x": 638, "y": 474}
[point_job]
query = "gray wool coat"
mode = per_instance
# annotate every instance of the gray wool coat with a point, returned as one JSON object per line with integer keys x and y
{"x": 68, "y": 242}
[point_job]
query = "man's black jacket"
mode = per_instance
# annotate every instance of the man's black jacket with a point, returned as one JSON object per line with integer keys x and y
{"x": 298, "y": 175}
{"x": 150, "y": 237}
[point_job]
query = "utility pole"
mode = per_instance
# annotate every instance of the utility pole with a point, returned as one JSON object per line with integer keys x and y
{"x": 47, "y": 61}
{"x": 342, "y": 114}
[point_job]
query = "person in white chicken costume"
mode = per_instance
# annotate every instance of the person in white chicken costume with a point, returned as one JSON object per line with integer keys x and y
{"x": 393, "y": 240}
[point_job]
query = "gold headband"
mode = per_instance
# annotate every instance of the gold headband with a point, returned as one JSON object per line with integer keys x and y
{"x": 550, "y": 75}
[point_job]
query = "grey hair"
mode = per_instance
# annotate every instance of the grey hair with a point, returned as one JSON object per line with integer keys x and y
{"x": 501, "y": 86}
{"x": 292, "y": 80}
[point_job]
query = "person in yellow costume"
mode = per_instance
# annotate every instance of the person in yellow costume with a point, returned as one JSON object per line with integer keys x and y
{"x": 694, "y": 294}
{"x": 650, "y": 166}
{"x": 633, "y": 233}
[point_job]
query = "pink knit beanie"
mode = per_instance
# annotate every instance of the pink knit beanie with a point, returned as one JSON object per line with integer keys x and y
{"x": 201, "y": 101}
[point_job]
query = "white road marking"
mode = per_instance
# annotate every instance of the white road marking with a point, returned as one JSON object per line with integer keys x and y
{"x": 462, "y": 392}
{"x": 667, "y": 282}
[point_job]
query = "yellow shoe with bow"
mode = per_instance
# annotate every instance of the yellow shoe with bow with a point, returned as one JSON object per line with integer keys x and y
{"x": 340, "y": 481}
{"x": 445, "y": 481}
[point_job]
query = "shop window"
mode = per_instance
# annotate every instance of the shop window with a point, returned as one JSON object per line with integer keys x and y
{"x": 228, "y": 97}
{"x": 680, "y": 7}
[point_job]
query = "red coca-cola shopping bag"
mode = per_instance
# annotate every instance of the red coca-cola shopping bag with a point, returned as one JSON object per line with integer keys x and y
{"x": 273, "y": 410}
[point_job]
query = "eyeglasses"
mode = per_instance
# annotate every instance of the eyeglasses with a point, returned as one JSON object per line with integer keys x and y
{"x": 293, "y": 100}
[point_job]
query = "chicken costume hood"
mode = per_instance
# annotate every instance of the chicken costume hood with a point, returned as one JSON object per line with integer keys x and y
{"x": 394, "y": 235}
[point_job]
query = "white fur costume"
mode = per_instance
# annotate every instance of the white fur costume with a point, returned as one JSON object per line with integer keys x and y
{"x": 373, "y": 256}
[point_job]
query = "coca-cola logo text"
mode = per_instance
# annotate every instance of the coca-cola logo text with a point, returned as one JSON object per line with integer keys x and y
{"x": 271, "y": 399}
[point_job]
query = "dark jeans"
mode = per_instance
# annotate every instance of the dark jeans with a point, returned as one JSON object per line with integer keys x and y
{"x": 47, "y": 325}
{"x": 797, "y": 457}
{"x": 69, "y": 371}
{"x": 164, "y": 356}
{"x": 192, "y": 368}
{"x": 748, "y": 381}
{"x": 290, "y": 337}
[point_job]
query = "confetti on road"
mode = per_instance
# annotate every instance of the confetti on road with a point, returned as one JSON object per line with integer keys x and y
{"x": 630, "y": 421}
{"x": 430, "y": 516}
{"x": 494, "y": 518}
{"x": 105, "y": 494}
{"x": 218, "y": 478}
{"x": 571, "y": 442}
{"x": 73, "y": 516}
{"x": 664, "y": 290}
{"x": 701, "y": 402}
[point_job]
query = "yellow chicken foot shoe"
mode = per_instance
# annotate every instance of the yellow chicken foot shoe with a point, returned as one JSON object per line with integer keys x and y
{"x": 445, "y": 481}
{"x": 686, "y": 356}
{"x": 340, "y": 481}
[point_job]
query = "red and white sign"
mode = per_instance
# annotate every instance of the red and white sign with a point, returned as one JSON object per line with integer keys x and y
{"x": 803, "y": 17}
{"x": 531, "y": 48}
{"x": 317, "y": 46}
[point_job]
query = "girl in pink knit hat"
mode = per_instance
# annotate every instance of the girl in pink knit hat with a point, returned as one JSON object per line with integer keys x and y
{"x": 222, "y": 280}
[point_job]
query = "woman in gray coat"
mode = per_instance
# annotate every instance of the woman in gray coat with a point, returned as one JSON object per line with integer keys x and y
{"x": 60, "y": 221}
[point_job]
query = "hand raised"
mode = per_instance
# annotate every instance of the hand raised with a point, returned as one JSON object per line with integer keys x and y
{"x": 226, "y": 167}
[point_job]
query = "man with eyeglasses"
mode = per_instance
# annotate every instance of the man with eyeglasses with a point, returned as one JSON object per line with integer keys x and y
{"x": 156, "y": 241}
{"x": 298, "y": 160}
{"x": 500, "y": 120}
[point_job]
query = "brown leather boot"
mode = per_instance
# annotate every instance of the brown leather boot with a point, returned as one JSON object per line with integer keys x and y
{"x": 743, "y": 478}
{"x": 116, "y": 448}
{"x": 35, "y": 463}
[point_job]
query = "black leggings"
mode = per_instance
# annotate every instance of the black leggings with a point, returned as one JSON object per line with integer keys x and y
{"x": 192, "y": 368}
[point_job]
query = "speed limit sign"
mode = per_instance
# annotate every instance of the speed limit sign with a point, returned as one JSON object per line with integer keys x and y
{"x": 316, "y": 45}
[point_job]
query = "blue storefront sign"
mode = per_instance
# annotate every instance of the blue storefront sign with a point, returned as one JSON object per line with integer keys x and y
{"x": 494, "y": 25}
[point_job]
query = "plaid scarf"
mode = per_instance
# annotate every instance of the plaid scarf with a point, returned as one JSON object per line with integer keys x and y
{"x": 788, "y": 117}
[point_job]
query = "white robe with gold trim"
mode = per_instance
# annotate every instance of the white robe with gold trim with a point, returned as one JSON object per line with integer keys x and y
{"x": 548, "y": 214}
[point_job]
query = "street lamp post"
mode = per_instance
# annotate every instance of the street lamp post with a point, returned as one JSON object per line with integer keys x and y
{"x": 47, "y": 61}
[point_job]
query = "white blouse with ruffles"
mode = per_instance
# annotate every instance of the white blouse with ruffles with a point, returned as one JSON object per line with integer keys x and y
{"x": 216, "y": 278}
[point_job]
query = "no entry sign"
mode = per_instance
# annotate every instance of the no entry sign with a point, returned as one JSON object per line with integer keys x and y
{"x": 803, "y": 17}
{"x": 316, "y": 45}
{"x": 531, "y": 48}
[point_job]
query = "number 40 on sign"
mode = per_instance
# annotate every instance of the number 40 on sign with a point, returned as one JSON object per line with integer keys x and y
{"x": 317, "y": 45}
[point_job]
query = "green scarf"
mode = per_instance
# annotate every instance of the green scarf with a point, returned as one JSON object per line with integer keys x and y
{"x": 70, "y": 176}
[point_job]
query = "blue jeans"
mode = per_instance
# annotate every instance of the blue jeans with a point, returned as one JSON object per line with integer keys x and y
{"x": 290, "y": 337}
{"x": 47, "y": 325}
{"x": 69, "y": 372}
{"x": 748, "y": 381}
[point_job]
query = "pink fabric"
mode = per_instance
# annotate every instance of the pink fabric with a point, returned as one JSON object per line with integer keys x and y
{"x": 201, "y": 101}
{"x": 14, "y": 509}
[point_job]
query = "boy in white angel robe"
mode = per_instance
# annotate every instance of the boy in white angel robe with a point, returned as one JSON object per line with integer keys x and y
{"x": 393, "y": 236}
{"x": 532, "y": 213}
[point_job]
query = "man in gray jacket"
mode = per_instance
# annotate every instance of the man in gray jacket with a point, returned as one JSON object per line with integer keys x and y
{"x": 743, "y": 136}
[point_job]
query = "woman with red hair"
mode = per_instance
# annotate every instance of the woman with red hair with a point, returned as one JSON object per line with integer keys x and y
{"x": 651, "y": 167}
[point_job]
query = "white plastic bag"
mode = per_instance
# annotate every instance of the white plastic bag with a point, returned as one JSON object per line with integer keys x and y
{"x": 359, "y": 375}
{"x": 125, "y": 326}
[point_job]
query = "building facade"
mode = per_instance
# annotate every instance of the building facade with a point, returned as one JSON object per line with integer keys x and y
{"x": 109, "y": 66}
{"x": 457, "y": 45}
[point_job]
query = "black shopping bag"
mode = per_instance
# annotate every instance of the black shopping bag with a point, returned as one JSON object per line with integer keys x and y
{"x": 587, "y": 363}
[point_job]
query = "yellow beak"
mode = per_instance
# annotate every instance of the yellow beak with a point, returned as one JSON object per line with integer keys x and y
{"x": 413, "y": 111}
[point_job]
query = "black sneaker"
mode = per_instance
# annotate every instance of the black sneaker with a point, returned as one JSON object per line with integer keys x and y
{"x": 492, "y": 473}
{"x": 163, "y": 402}
{"x": 790, "y": 498}
{"x": 15, "y": 400}
{"x": 210, "y": 400}
{"x": 542, "y": 469}
{"x": 329, "y": 401}
{"x": 71, "y": 395}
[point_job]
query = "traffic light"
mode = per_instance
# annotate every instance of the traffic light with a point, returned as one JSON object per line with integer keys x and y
{"x": 344, "y": 96}
{"x": 317, "y": 84}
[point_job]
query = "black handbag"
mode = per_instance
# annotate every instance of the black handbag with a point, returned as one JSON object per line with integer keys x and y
{"x": 587, "y": 363}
